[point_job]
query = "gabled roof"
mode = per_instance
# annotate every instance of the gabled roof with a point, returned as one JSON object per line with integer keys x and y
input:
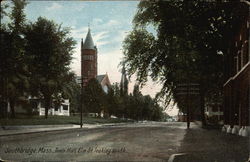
{"x": 88, "y": 43}
{"x": 100, "y": 78}
{"x": 103, "y": 79}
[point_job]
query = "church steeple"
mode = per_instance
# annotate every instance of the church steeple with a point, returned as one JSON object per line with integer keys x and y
{"x": 88, "y": 43}
{"x": 81, "y": 44}
{"x": 89, "y": 59}
{"x": 124, "y": 83}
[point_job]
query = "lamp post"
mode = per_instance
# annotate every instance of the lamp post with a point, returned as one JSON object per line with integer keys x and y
{"x": 81, "y": 83}
{"x": 81, "y": 100}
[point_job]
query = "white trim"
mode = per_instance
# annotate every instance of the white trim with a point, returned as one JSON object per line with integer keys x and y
{"x": 241, "y": 57}
{"x": 242, "y": 69}
{"x": 248, "y": 3}
{"x": 237, "y": 62}
{"x": 232, "y": 78}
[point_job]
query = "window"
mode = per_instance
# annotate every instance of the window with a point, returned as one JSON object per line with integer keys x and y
{"x": 65, "y": 107}
{"x": 214, "y": 108}
{"x": 57, "y": 106}
{"x": 33, "y": 104}
{"x": 235, "y": 64}
{"x": 88, "y": 57}
{"x": 42, "y": 103}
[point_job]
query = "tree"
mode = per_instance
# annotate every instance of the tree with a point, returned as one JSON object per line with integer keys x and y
{"x": 49, "y": 48}
{"x": 94, "y": 96}
{"x": 13, "y": 71}
{"x": 3, "y": 11}
{"x": 112, "y": 102}
{"x": 124, "y": 84}
{"x": 189, "y": 36}
{"x": 72, "y": 91}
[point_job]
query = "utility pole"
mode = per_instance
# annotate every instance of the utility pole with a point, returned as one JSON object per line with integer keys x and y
{"x": 188, "y": 88}
{"x": 81, "y": 101}
{"x": 188, "y": 106}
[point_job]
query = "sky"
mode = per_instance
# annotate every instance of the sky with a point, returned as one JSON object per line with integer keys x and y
{"x": 109, "y": 22}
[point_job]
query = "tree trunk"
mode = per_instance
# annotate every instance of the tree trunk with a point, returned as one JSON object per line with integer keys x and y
{"x": 202, "y": 107}
{"x": 12, "y": 108}
{"x": 47, "y": 105}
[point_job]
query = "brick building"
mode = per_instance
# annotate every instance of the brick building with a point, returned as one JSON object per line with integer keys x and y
{"x": 237, "y": 72}
{"x": 89, "y": 59}
{"x": 90, "y": 64}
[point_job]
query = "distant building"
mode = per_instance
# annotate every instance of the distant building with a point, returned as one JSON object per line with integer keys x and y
{"x": 214, "y": 113}
{"x": 89, "y": 67}
{"x": 62, "y": 109}
{"x": 36, "y": 106}
{"x": 237, "y": 72}
{"x": 104, "y": 81}
{"x": 124, "y": 83}
{"x": 88, "y": 58}
{"x": 90, "y": 64}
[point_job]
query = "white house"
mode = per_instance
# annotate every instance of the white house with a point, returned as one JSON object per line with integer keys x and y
{"x": 62, "y": 110}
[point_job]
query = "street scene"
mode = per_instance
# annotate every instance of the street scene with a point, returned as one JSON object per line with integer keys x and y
{"x": 149, "y": 141}
{"x": 125, "y": 81}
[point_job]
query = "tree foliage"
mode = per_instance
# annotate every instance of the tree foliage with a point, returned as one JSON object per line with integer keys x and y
{"x": 49, "y": 48}
{"x": 35, "y": 59}
{"x": 94, "y": 97}
{"x": 134, "y": 106}
{"x": 13, "y": 70}
{"x": 188, "y": 45}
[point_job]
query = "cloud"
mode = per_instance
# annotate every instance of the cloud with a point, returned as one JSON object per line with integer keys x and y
{"x": 80, "y": 7}
{"x": 112, "y": 23}
{"x": 97, "y": 21}
{"x": 78, "y": 33}
{"x": 120, "y": 36}
{"x": 100, "y": 37}
{"x": 54, "y": 6}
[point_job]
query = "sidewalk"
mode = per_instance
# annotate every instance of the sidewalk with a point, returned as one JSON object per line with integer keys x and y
{"x": 28, "y": 129}
{"x": 211, "y": 145}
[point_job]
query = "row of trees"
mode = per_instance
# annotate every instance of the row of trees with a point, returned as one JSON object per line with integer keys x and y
{"x": 35, "y": 59}
{"x": 190, "y": 41}
{"x": 116, "y": 102}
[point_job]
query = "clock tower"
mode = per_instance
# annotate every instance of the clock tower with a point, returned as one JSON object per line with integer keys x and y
{"x": 88, "y": 58}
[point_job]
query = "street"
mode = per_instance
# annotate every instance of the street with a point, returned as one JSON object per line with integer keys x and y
{"x": 150, "y": 141}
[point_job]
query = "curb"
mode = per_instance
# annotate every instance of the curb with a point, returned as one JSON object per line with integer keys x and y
{"x": 62, "y": 129}
{"x": 20, "y": 127}
{"x": 175, "y": 157}
{"x": 42, "y": 131}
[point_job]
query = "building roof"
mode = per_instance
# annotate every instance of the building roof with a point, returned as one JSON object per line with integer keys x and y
{"x": 103, "y": 80}
{"x": 100, "y": 78}
{"x": 88, "y": 43}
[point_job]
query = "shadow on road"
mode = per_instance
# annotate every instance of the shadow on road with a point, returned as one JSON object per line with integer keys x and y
{"x": 213, "y": 146}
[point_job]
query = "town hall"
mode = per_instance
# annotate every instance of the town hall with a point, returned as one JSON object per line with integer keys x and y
{"x": 89, "y": 55}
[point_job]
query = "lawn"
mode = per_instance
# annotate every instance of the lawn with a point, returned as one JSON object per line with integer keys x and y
{"x": 55, "y": 120}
